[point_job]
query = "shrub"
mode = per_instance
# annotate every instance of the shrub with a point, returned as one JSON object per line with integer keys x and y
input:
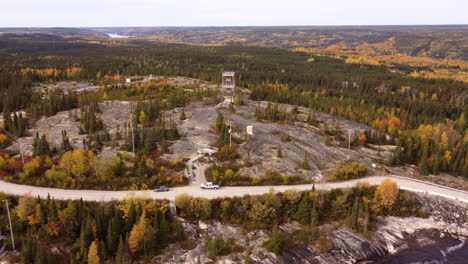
{"x": 278, "y": 242}
{"x": 285, "y": 138}
{"x": 58, "y": 178}
{"x": 227, "y": 153}
{"x": 219, "y": 247}
{"x": 350, "y": 169}
{"x": 229, "y": 175}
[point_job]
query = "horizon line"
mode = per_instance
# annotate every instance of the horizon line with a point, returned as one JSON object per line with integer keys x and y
{"x": 246, "y": 26}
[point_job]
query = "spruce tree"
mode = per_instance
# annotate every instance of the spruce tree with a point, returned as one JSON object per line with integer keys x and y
{"x": 72, "y": 227}
{"x": 112, "y": 236}
{"x": 28, "y": 250}
{"x": 279, "y": 154}
{"x": 164, "y": 231}
{"x": 44, "y": 147}
{"x": 121, "y": 252}
{"x": 305, "y": 163}
{"x": 314, "y": 214}
{"x": 149, "y": 241}
{"x": 65, "y": 145}
{"x": 102, "y": 252}
{"x": 303, "y": 210}
{"x": 182, "y": 115}
{"x": 35, "y": 145}
{"x": 423, "y": 166}
{"x": 354, "y": 215}
{"x": 86, "y": 237}
{"x": 131, "y": 218}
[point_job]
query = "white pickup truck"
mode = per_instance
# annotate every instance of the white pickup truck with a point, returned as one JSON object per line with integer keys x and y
{"x": 209, "y": 185}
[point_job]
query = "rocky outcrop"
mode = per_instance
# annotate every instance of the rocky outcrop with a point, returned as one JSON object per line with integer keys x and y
{"x": 392, "y": 236}
{"x": 446, "y": 211}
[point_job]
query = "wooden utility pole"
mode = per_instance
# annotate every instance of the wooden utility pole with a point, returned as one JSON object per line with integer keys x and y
{"x": 349, "y": 139}
{"x": 230, "y": 134}
{"x": 133, "y": 142}
{"x": 11, "y": 228}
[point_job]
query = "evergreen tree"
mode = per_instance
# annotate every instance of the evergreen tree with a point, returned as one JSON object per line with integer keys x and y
{"x": 40, "y": 145}
{"x": 121, "y": 252}
{"x": 131, "y": 218}
{"x": 423, "y": 166}
{"x": 112, "y": 236}
{"x": 72, "y": 227}
{"x": 303, "y": 210}
{"x": 182, "y": 115}
{"x": 365, "y": 227}
{"x": 178, "y": 230}
{"x": 238, "y": 100}
{"x": 102, "y": 252}
{"x": 163, "y": 231}
{"x": 65, "y": 145}
{"x": 312, "y": 120}
{"x": 354, "y": 214}
{"x": 305, "y": 163}
{"x": 90, "y": 122}
{"x": 28, "y": 250}
{"x": 149, "y": 241}
{"x": 86, "y": 237}
{"x": 279, "y": 154}
{"x": 219, "y": 124}
{"x": 314, "y": 214}
{"x": 247, "y": 258}
{"x": 41, "y": 255}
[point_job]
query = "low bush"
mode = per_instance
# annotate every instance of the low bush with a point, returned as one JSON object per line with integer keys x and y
{"x": 228, "y": 175}
{"x": 350, "y": 169}
{"x": 218, "y": 247}
{"x": 278, "y": 242}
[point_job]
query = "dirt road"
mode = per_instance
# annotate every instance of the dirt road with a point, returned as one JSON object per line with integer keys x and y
{"x": 92, "y": 195}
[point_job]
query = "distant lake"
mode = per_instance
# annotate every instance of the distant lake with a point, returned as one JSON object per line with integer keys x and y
{"x": 114, "y": 35}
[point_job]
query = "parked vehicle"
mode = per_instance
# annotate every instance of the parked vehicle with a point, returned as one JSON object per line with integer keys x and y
{"x": 209, "y": 185}
{"x": 161, "y": 189}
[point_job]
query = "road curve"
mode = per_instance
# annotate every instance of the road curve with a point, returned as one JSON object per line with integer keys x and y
{"x": 104, "y": 196}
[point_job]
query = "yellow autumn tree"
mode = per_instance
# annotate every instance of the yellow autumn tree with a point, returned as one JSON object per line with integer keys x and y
{"x": 394, "y": 123}
{"x": 93, "y": 257}
{"x": 137, "y": 234}
{"x": 363, "y": 138}
{"x": 3, "y": 139}
{"x": 142, "y": 117}
{"x": 387, "y": 193}
{"x": 444, "y": 140}
{"x": 77, "y": 162}
{"x": 26, "y": 206}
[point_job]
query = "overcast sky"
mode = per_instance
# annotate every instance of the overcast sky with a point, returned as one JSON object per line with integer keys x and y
{"x": 89, "y": 13}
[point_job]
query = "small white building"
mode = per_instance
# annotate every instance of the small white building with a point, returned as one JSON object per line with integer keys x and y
{"x": 250, "y": 130}
{"x": 128, "y": 80}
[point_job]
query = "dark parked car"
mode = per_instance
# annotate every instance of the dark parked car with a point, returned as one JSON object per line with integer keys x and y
{"x": 161, "y": 189}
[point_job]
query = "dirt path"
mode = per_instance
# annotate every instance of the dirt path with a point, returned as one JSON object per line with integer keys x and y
{"x": 91, "y": 195}
{"x": 196, "y": 171}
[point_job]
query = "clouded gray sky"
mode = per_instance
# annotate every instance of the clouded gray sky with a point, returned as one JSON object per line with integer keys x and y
{"x": 88, "y": 13}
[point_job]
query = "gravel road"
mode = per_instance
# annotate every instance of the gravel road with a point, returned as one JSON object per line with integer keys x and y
{"x": 93, "y": 195}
